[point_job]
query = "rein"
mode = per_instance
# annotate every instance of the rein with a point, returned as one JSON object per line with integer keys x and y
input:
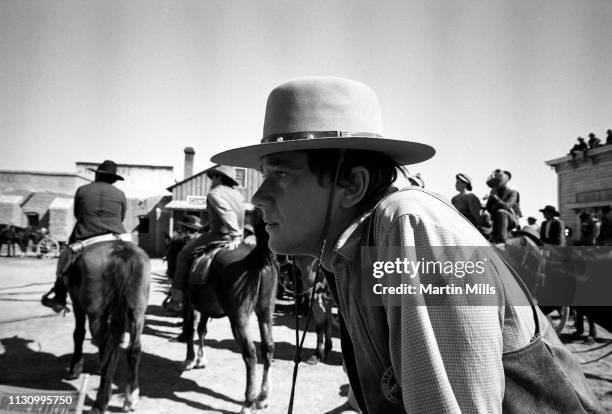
{"x": 299, "y": 344}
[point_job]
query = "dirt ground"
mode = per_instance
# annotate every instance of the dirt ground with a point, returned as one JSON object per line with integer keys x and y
{"x": 36, "y": 345}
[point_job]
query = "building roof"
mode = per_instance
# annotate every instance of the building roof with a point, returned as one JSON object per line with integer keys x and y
{"x": 579, "y": 154}
{"x": 61, "y": 203}
{"x": 186, "y": 180}
{"x": 161, "y": 167}
{"x": 39, "y": 202}
{"x": 51, "y": 173}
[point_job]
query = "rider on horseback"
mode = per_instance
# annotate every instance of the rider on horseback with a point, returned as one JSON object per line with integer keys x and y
{"x": 99, "y": 208}
{"x": 226, "y": 219}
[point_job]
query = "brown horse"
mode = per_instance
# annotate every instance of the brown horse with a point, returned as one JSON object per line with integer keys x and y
{"x": 241, "y": 281}
{"x": 110, "y": 285}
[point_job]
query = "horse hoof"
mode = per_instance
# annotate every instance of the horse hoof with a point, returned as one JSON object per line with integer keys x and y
{"x": 246, "y": 410}
{"x": 313, "y": 360}
{"x": 131, "y": 400}
{"x": 71, "y": 375}
{"x": 262, "y": 404}
{"x": 200, "y": 364}
{"x": 188, "y": 365}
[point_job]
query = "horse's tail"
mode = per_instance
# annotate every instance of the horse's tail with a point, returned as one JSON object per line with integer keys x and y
{"x": 123, "y": 264}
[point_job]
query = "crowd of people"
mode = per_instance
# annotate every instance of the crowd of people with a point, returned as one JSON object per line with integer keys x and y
{"x": 501, "y": 213}
{"x": 594, "y": 142}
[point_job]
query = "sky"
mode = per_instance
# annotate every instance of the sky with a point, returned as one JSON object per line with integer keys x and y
{"x": 489, "y": 84}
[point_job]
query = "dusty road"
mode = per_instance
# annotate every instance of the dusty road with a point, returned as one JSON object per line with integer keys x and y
{"x": 36, "y": 345}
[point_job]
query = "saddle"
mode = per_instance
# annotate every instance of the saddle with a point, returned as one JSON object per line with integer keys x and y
{"x": 203, "y": 258}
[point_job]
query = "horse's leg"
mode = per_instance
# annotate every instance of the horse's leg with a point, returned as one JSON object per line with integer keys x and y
{"x": 188, "y": 322}
{"x": 240, "y": 329}
{"x": 132, "y": 392}
{"x": 267, "y": 351}
{"x": 202, "y": 360}
{"x": 328, "y": 331}
{"x": 108, "y": 344}
{"x": 319, "y": 319}
{"x": 76, "y": 365}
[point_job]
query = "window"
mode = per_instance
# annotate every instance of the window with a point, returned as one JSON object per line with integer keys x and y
{"x": 241, "y": 177}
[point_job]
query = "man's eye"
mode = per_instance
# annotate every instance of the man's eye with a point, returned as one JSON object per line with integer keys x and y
{"x": 279, "y": 174}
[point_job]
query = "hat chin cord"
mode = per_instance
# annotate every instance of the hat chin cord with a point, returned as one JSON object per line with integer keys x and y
{"x": 324, "y": 236}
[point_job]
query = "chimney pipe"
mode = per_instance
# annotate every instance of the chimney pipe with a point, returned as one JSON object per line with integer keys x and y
{"x": 189, "y": 153}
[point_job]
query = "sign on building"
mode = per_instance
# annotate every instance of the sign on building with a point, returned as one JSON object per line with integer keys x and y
{"x": 196, "y": 202}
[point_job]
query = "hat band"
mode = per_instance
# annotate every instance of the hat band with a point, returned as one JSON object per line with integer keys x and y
{"x": 298, "y": 136}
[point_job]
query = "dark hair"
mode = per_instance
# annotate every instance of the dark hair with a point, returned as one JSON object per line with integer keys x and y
{"x": 382, "y": 170}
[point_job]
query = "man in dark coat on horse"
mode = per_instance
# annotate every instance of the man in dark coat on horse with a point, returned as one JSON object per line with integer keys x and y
{"x": 225, "y": 207}
{"x": 99, "y": 208}
{"x": 503, "y": 204}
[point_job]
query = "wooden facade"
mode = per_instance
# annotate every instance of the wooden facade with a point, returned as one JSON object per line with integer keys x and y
{"x": 189, "y": 195}
{"x": 584, "y": 184}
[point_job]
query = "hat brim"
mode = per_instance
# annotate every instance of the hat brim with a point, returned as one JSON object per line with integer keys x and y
{"x": 190, "y": 226}
{"x": 211, "y": 173}
{"x": 403, "y": 152}
{"x": 118, "y": 177}
{"x": 555, "y": 212}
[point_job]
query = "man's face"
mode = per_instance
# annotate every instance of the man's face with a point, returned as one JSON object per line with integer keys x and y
{"x": 460, "y": 185}
{"x": 293, "y": 204}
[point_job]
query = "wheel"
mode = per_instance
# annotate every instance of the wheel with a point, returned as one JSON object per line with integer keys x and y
{"x": 558, "y": 318}
{"x": 48, "y": 247}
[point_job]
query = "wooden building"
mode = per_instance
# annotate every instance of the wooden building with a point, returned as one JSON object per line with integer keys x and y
{"x": 189, "y": 195}
{"x": 584, "y": 183}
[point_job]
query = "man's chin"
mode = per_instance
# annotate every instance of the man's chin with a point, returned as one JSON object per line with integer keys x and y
{"x": 280, "y": 247}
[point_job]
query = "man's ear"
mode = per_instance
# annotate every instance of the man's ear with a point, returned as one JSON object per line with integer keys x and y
{"x": 355, "y": 190}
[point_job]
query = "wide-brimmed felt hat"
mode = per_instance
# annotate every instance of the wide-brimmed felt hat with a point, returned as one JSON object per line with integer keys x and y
{"x": 223, "y": 170}
{"x": 107, "y": 167}
{"x": 466, "y": 179}
{"x": 498, "y": 178}
{"x": 323, "y": 113}
{"x": 550, "y": 209}
{"x": 191, "y": 222}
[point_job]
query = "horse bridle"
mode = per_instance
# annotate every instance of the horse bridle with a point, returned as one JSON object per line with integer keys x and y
{"x": 299, "y": 344}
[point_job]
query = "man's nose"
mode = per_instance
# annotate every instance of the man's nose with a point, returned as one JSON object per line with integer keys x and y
{"x": 261, "y": 197}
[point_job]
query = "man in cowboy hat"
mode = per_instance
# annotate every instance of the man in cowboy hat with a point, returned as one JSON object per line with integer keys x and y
{"x": 503, "y": 205}
{"x": 552, "y": 230}
{"x": 225, "y": 207}
{"x": 466, "y": 202}
{"x": 327, "y": 170}
{"x": 99, "y": 208}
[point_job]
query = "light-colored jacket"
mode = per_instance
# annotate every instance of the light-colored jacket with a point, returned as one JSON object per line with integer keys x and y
{"x": 424, "y": 359}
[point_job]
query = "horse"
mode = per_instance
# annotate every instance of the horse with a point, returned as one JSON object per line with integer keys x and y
{"x": 321, "y": 308}
{"x": 240, "y": 282}
{"x": 110, "y": 286}
{"x": 538, "y": 262}
{"x": 11, "y": 235}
